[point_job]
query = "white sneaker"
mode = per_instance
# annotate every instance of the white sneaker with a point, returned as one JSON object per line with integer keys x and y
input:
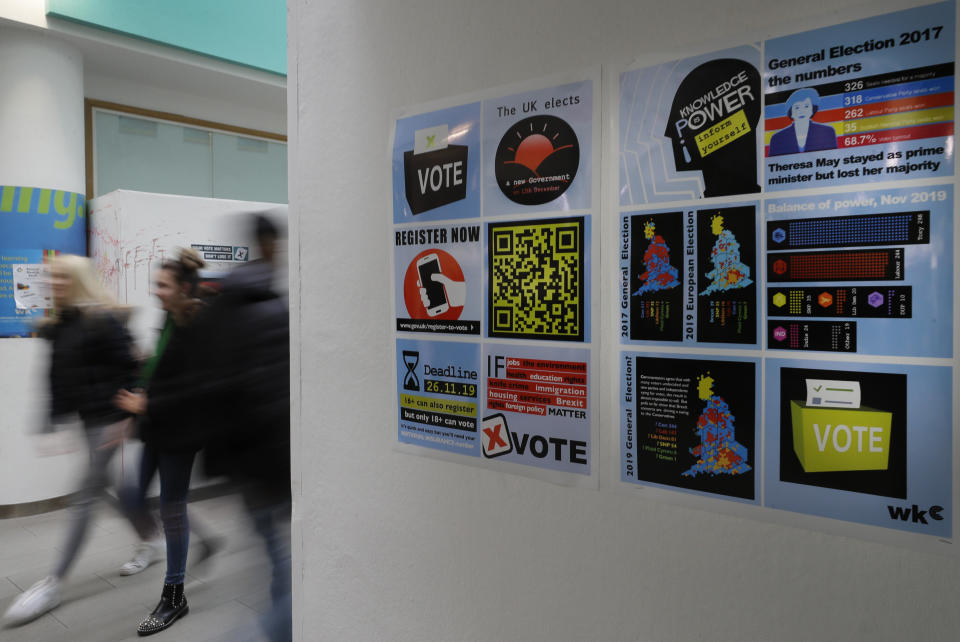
{"x": 147, "y": 553}
{"x": 34, "y": 602}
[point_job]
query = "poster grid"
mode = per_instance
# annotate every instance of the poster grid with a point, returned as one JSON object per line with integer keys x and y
{"x": 495, "y": 196}
{"x": 854, "y": 257}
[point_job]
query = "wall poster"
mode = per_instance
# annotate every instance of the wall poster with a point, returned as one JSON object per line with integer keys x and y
{"x": 786, "y": 294}
{"x": 35, "y": 225}
{"x": 861, "y": 102}
{"x": 494, "y": 203}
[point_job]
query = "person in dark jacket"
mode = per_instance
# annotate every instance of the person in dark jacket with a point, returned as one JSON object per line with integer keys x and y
{"x": 91, "y": 356}
{"x": 249, "y": 391}
{"x": 246, "y": 393}
{"x": 171, "y": 425}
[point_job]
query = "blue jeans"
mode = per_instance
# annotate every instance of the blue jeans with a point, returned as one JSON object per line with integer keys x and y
{"x": 95, "y": 480}
{"x": 174, "y": 469}
{"x": 271, "y": 519}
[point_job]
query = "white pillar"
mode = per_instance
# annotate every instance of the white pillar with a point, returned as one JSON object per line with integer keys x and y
{"x": 41, "y": 145}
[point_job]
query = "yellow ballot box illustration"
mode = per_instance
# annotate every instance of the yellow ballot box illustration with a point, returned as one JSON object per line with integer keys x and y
{"x": 840, "y": 439}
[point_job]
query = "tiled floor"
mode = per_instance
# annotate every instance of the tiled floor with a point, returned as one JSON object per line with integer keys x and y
{"x": 226, "y": 594}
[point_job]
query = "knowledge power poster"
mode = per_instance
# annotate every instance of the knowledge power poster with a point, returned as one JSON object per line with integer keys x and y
{"x": 494, "y": 207}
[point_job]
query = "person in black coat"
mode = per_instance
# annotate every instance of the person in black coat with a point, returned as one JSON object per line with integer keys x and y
{"x": 246, "y": 396}
{"x": 91, "y": 356}
{"x": 171, "y": 423}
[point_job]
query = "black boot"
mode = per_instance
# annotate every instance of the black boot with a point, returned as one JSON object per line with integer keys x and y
{"x": 173, "y": 605}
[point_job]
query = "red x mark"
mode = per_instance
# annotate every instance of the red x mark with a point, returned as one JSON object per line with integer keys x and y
{"x": 493, "y": 434}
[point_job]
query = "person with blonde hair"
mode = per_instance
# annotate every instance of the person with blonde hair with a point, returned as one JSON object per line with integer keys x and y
{"x": 91, "y": 357}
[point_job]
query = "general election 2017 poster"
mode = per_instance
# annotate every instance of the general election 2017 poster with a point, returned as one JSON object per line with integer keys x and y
{"x": 866, "y": 101}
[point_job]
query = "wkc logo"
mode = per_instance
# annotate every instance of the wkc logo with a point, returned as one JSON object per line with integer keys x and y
{"x": 906, "y": 513}
{"x": 434, "y": 172}
{"x": 496, "y": 436}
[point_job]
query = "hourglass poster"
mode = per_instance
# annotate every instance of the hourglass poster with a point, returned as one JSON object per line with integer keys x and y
{"x": 688, "y": 128}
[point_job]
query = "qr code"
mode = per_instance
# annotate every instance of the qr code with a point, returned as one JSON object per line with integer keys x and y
{"x": 536, "y": 284}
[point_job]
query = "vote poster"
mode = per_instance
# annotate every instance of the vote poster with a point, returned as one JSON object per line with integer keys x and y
{"x": 689, "y": 276}
{"x": 862, "y": 442}
{"x": 494, "y": 198}
{"x": 690, "y": 424}
{"x": 690, "y": 128}
{"x": 866, "y": 101}
{"x": 537, "y": 408}
{"x": 438, "y": 279}
{"x": 438, "y": 387}
{"x": 867, "y": 272}
{"x": 539, "y": 145}
{"x": 436, "y": 165}
{"x": 35, "y": 225}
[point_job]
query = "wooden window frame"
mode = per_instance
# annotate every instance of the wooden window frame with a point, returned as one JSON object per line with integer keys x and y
{"x": 89, "y": 104}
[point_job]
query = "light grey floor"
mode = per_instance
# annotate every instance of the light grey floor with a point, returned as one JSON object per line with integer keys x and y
{"x": 225, "y": 595}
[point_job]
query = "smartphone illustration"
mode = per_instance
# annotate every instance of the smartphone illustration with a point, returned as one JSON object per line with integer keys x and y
{"x": 427, "y": 266}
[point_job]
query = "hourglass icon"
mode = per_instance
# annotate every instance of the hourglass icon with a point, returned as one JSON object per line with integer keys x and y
{"x": 410, "y": 359}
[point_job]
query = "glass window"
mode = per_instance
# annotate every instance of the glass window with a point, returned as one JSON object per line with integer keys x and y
{"x": 148, "y": 155}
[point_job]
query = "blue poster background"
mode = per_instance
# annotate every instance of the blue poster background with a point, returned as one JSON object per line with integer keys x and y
{"x": 930, "y": 41}
{"x": 579, "y": 116}
{"x": 928, "y": 268}
{"x": 929, "y": 452}
{"x": 33, "y": 220}
{"x": 468, "y": 257}
{"x": 549, "y": 427}
{"x": 438, "y": 355}
{"x": 463, "y": 124}
{"x": 648, "y": 173}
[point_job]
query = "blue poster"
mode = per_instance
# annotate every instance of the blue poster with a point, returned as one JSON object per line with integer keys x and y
{"x": 691, "y": 424}
{"x": 436, "y": 165}
{"x": 438, "y": 389}
{"x": 690, "y": 128}
{"x": 537, "y": 410}
{"x": 438, "y": 272}
{"x": 867, "y": 272}
{"x": 538, "y": 150}
{"x": 866, "y": 101}
{"x": 35, "y": 224}
{"x": 865, "y": 443}
{"x": 492, "y": 244}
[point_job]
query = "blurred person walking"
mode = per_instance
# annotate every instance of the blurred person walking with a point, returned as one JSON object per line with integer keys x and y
{"x": 171, "y": 423}
{"x": 248, "y": 392}
{"x": 92, "y": 356}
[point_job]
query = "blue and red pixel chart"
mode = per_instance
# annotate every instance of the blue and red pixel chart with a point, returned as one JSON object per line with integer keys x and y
{"x": 865, "y": 272}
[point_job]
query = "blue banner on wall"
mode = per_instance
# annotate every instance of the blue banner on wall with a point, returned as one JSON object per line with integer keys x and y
{"x": 35, "y": 224}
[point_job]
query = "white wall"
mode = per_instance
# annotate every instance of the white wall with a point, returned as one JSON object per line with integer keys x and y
{"x": 389, "y": 546}
{"x": 41, "y": 126}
